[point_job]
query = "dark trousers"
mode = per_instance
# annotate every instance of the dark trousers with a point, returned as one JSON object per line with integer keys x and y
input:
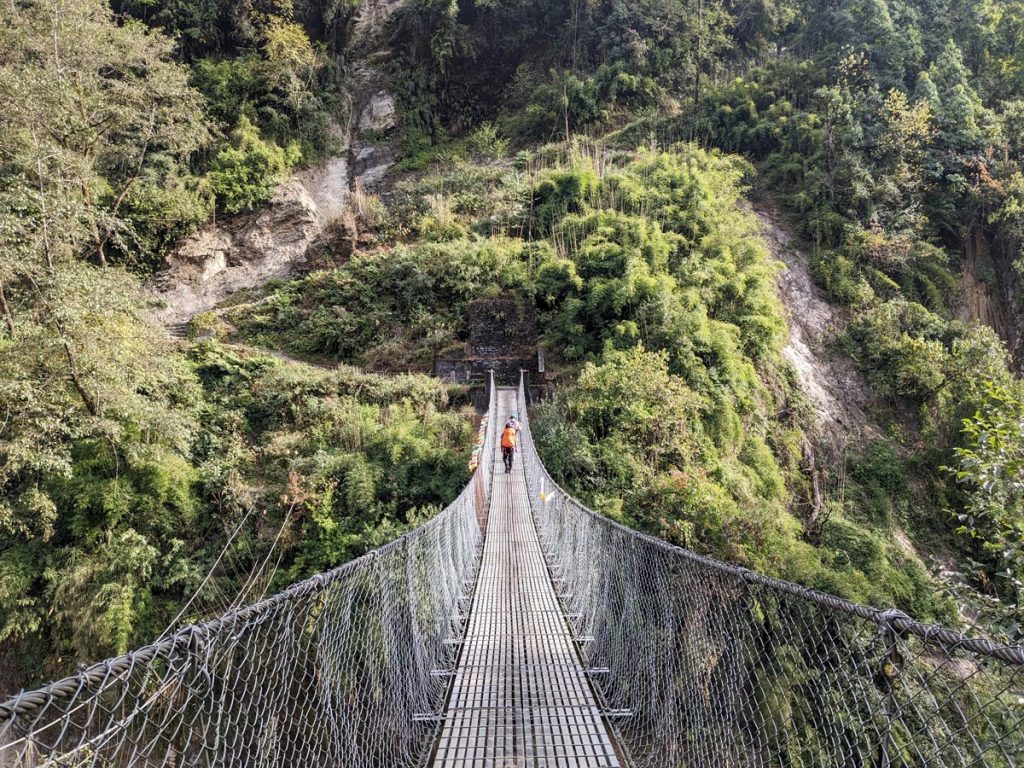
{"x": 506, "y": 456}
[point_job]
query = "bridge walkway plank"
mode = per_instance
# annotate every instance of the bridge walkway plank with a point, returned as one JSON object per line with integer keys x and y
{"x": 520, "y": 697}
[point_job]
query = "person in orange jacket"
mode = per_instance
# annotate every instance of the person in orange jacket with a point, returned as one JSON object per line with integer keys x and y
{"x": 508, "y": 445}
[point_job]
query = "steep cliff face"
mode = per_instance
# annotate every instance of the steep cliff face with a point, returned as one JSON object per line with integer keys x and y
{"x": 240, "y": 252}
{"x": 829, "y": 379}
{"x": 981, "y": 301}
{"x": 245, "y": 251}
{"x": 372, "y": 117}
{"x": 988, "y": 287}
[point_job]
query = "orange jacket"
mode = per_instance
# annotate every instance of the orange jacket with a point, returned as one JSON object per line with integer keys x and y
{"x": 508, "y": 438}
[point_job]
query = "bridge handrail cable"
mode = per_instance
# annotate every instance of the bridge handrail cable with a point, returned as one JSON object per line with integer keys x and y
{"x": 898, "y": 620}
{"x": 697, "y": 662}
{"x": 405, "y": 594}
{"x": 720, "y": 665}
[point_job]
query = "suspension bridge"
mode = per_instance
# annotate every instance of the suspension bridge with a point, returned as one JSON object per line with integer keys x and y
{"x": 520, "y": 629}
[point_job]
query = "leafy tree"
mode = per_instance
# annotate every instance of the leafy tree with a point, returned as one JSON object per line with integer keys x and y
{"x": 965, "y": 132}
{"x": 247, "y": 172}
{"x": 117, "y": 130}
{"x": 990, "y": 468}
{"x": 82, "y": 359}
{"x": 198, "y": 26}
{"x": 758, "y": 25}
{"x": 84, "y": 364}
{"x": 907, "y": 133}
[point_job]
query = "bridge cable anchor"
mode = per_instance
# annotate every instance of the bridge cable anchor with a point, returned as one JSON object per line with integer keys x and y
{"x": 427, "y": 717}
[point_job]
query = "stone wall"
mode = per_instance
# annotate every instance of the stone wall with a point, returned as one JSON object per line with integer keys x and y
{"x": 462, "y": 369}
{"x": 502, "y": 338}
{"x": 501, "y": 327}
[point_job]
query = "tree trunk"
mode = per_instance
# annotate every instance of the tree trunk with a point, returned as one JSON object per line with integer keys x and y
{"x": 700, "y": 52}
{"x": 76, "y": 380}
{"x": 816, "y": 518}
{"x": 6, "y": 310}
{"x": 101, "y": 256}
{"x": 565, "y": 103}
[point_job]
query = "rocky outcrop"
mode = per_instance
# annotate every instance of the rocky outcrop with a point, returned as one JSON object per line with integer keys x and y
{"x": 247, "y": 250}
{"x": 328, "y": 186}
{"x": 372, "y": 153}
{"x": 989, "y": 285}
{"x": 981, "y": 302}
{"x": 379, "y": 113}
{"x": 242, "y": 252}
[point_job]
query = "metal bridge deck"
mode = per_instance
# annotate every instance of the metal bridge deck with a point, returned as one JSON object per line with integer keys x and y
{"x": 520, "y": 698}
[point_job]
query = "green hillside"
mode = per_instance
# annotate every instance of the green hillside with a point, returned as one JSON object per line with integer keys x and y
{"x": 594, "y": 161}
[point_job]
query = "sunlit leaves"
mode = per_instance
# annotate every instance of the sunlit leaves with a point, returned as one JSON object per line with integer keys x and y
{"x": 247, "y": 172}
{"x": 990, "y": 467}
{"x": 86, "y": 106}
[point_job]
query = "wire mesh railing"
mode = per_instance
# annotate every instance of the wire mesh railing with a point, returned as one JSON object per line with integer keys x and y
{"x": 332, "y": 671}
{"x": 697, "y": 663}
{"x": 708, "y": 664}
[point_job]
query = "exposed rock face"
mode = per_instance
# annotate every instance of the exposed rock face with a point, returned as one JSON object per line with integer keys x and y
{"x": 372, "y": 151}
{"x": 327, "y": 185}
{"x": 372, "y": 162}
{"x": 374, "y": 118}
{"x": 989, "y": 289}
{"x": 373, "y": 157}
{"x": 379, "y": 114}
{"x": 829, "y": 380}
{"x": 245, "y": 251}
{"x": 980, "y": 302}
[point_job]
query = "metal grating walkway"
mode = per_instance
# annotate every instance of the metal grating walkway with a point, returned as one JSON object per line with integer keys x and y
{"x": 520, "y": 698}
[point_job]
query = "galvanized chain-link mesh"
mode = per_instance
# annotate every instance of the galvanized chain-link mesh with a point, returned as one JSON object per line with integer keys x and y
{"x": 697, "y": 663}
{"x": 331, "y": 672}
{"x": 701, "y": 663}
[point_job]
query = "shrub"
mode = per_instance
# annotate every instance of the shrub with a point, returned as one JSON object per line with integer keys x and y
{"x": 246, "y": 173}
{"x": 559, "y": 193}
{"x": 853, "y": 546}
{"x": 486, "y": 141}
{"x": 880, "y": 484}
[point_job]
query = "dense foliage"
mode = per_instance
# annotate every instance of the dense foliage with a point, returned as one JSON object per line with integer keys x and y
{"x": 115, "y": 136}
{"x": 892, "y": 139}
{"x": 889, "y": 130}
{"x": 129, "y": 470}
{"x": 394, "y": 310}
{"x": 652, "y": 283}
{"x": 269, "y": 470}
